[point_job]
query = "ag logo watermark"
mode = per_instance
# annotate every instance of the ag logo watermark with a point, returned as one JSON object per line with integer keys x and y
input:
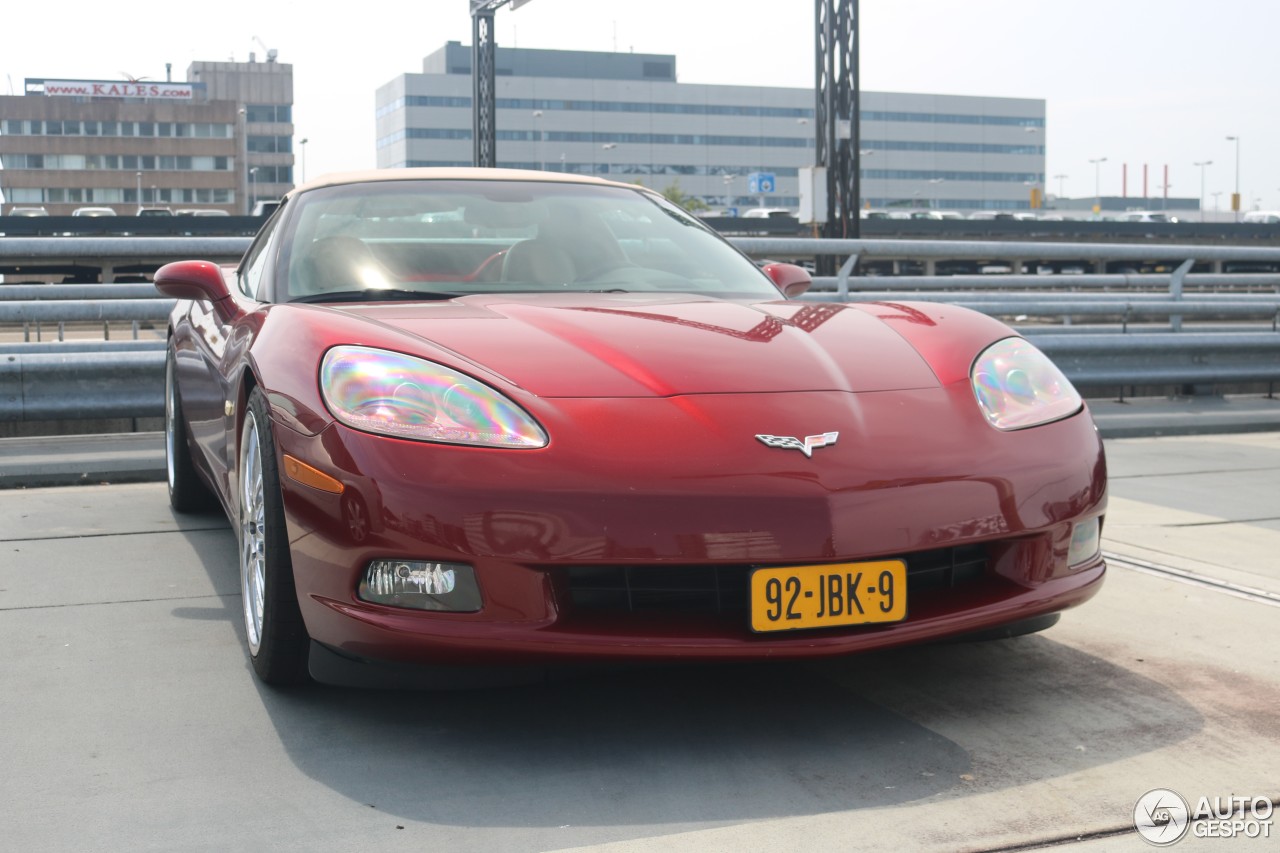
{"x": 1162, "y": 817}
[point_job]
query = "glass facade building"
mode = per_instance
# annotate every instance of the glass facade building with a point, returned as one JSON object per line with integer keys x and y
{"x": 625, "y": 116}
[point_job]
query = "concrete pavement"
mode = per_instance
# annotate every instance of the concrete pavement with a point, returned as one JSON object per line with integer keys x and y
{"x": 131, "y": 719}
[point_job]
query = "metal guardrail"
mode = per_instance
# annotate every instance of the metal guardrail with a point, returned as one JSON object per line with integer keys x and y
{"x": 106, "y": 379}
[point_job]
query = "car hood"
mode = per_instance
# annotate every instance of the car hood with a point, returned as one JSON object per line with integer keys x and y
{"x": 632, "y": 345}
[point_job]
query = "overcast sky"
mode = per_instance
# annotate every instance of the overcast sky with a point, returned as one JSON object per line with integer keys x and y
{"x": 1151, "y": 82}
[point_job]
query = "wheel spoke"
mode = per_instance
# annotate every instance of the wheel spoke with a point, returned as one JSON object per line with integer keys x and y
{"x": 252, "y": 534}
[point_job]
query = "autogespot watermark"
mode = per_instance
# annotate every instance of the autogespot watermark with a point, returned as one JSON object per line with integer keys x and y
{"x": 1162, "y": 817}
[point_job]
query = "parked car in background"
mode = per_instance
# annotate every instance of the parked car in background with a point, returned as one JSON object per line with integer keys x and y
{"x": 265, "y": 208}
{"x": 1145, "y": 216}
{"x": 93, "y": 211}
{"x": 28, "y": 211}
{"x": 767, "y": 213}
{"x": 1262, "y": 217}
{"x": 200, "y": 211}
{"x": 936, "y": 214}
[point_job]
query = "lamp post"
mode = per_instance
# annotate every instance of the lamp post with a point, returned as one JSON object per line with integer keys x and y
{"x": 243, "y": 171}
{"x": 728, "y": 189}
{"x": 537, "y": 136}
{"x": 302, "y": 143}
{"x": 139, "y": 179}
{"x": 1235, "y": 200}
{"x": 1097, "y": 184}
{"x": 1202, "y": 165}
{"x": 1060, "y": 179}
{"x": 938, "y": 201}
{"x": 608, "y": 146}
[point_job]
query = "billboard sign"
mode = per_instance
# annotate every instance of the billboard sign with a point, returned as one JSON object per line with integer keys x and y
{"x": 117, "y": 89}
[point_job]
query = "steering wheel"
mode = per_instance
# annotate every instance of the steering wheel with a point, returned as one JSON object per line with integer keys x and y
{"x": 607, "y": 267}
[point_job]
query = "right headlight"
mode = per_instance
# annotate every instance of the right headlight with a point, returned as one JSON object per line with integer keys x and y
{"x": 394, "y": 394}
{"x": 1017, "y": 386}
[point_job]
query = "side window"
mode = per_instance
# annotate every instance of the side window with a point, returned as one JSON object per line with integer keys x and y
{"x": 255, "y": 262}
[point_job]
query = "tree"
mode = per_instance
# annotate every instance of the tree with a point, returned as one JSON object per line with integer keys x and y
{"x": 675, "y": 195}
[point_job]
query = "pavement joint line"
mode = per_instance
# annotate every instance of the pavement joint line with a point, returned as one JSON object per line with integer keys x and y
{"x": 1222, "y": 521}
{"x": 219, "y": 595}
{"x": 1064, "y": 840}
{"x": 1248, "y": 593}
{"x": 115, "y": 533}
{"x": 1190, "y": 473}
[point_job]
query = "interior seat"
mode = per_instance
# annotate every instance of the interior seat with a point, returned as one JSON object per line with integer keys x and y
{"x": 538, "y": 261}
{"x": 338, "y": 263}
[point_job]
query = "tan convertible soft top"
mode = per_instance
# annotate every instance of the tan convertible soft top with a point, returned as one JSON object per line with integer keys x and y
{"x": 451, "y": 174}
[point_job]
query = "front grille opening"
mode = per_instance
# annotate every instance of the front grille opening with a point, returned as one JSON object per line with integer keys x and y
{"x": 723, "y": 589}
{"x": 675, "y": 589}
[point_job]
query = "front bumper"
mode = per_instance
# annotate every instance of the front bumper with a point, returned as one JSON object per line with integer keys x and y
{"x": 915, "y": 472}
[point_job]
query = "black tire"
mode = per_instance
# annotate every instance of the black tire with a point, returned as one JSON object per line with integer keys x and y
{"x": 187, "y": 492}
{"x": 274, "y": 632}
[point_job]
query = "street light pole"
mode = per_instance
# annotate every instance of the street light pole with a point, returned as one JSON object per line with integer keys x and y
{"x": 1097, "y": 184}
{"x": 1060, "y": 179}
{"x": 139, "y": 177}
{"x": 302, "y": 143}
{"x": 243, "y": 171}
{"x": 1202, "y": 164}
{"x": 537, "y": 139}
{"x": 936, "y": 202}
{"x": 1235, "y": 200}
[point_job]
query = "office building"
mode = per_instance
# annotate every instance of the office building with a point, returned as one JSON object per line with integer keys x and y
{"x": 626, "y": 116}
{"x": 220, "y": 139}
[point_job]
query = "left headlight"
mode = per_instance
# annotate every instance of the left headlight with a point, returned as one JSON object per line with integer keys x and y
{"x": 1017, "y": 386}
{"x": 393, "y": 394}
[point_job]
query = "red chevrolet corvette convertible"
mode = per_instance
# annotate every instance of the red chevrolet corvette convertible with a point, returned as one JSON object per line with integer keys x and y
{"x": 475, "y": 420}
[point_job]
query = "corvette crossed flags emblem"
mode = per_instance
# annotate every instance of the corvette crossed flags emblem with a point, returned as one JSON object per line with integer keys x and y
{"x": 806, "y": 446}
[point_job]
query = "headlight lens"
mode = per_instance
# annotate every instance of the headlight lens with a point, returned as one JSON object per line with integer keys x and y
{"x": 1017, "y": 386}
{"x": 394, "y": 394}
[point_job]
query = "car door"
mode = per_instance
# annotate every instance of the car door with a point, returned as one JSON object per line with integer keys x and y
{"x": 210, "y": 371}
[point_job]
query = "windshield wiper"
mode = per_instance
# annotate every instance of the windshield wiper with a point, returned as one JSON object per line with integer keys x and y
{"x": 379, "y": 295}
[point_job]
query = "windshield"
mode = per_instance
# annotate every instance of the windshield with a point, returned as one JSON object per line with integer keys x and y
{"x": 398, "y": 239}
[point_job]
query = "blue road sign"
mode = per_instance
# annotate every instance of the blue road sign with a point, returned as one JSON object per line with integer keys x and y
{"x": 761, "y": 182}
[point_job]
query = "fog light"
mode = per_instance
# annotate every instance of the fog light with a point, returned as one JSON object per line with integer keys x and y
{"x": 1085, "y": 542}
{"x": 421, "y": 585}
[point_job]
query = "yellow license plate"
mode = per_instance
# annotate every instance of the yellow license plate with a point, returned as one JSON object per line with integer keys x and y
{"x": 796, "y": 597}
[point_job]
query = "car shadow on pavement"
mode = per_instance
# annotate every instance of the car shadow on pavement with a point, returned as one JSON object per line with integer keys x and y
{"x": 696, "y": 745}
{"x": 703, "y": 744}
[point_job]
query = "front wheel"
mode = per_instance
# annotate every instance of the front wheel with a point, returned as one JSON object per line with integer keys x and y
{"x": 277, "y": 639}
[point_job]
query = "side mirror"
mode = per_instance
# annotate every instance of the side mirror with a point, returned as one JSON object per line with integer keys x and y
{"x": 789, "y": 278}
{"x": 200, "y": 280}
{"x": 192, "y": 280}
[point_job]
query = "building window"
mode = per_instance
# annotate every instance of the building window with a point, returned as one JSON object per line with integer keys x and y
{"x": 263, "y": 113}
